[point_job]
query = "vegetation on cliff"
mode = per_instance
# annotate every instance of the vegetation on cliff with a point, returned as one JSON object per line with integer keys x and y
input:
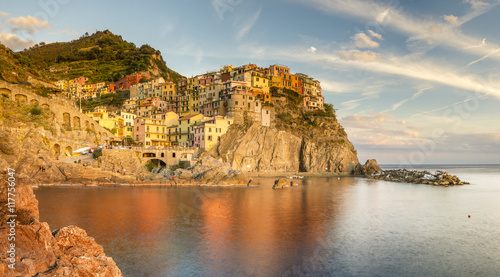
{"x": 102, "y": 56}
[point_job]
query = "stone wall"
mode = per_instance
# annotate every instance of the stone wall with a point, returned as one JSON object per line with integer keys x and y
{"x": 72, "y": 128}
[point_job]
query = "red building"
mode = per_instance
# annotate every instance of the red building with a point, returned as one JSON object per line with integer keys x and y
{"x": 132, "y": 79}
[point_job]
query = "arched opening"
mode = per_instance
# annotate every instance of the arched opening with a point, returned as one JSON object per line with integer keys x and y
{"x": 76, "y": 123}
{"x": 5, "y": 92}
{"x": 34, "y": 102}
{"x": 68, "y": 151}
{"x": 57, "y": 149}
{"x": 21, "y": 98}
{"x": 155, "y": 165}
{"x": 149, "y": 155}
{"x": 87, "y": 124}
{"x": 66, "y": 121}
{"x": 92, "y": 126}
{"x": 45, "y": 106}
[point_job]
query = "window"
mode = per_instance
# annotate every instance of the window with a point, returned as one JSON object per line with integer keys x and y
{"x": 250, "y": 98}
{"x": 137, "y": 128}
{"x": 236, "y": 103}
{"x": 209, "y": 137}
{"x": 173, "y": 155}
{"x": 249, "y": 105}
{"x": 257, "y": 79}
{"x": 256, "y": 104}
{"x": 209, "y": 129}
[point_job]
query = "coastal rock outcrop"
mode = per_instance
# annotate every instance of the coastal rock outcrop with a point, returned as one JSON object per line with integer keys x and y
{"x": 268, "y": 149}
{"x": 283, "y": 183}
{"x": 208, "y": 171}
{"x": 370, "y": 167}
{"x": 437, "y": 178}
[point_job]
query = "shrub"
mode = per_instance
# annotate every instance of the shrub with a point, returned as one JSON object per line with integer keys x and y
{"x": 35, "y": 110}
{"x": 97, "y": 153}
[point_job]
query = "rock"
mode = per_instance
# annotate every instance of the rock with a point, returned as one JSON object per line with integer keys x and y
{"x": 418, "y": 177}
{"x": 370, "y": 167}
{"x": 269, "y": 149}
{"x": 283, "y": 183}
{"x": 69, "y": 252}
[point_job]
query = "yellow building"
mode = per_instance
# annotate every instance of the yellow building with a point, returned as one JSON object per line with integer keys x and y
{"x": 168, "y": 91}
{"x": 128, "y": 121}
{"x": 185, "y": 128}
{"x": 207, "y": 134}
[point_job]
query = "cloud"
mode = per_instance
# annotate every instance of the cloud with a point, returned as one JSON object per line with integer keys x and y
{"x": 356, "y": 55}
{"x": 416, "y": 28}
{"x": 383, "y": 15}
{"x": 312, "y": 49}
{"x": 477, "y": 4}
{"x": 413, "y": 97}
{"x": 247, "y": 25}
{"x": 361, "y": 40}
{"x": 482, "y": 44}
{"x": 375, "y": 35}
{"x": 484, "y": 57}
{"x": 337, "y": 87}
{"x": 352, "y": 104}
{"x": 14, "y": 42}
{"x": 28, "y": 24}
{"x": 453, "y": 20}
{"x": 4, "y": 14}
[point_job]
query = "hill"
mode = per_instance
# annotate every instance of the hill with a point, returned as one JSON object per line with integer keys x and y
{"x": 102, "y": 56}
{"x": 16, "y": 68}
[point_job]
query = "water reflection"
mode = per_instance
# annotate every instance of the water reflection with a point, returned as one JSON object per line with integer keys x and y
{"x": 346, "y": 226}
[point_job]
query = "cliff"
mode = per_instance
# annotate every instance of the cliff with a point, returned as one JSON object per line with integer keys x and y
{"x": 295, "y": 141}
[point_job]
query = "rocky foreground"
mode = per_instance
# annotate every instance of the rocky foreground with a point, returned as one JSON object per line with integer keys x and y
{"x": 206, "y": 172}
{"x": 437, "y": 178}
{"x": 38, "y": 251}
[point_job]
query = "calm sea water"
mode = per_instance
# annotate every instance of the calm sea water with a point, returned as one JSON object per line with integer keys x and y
{"x": 326, "y": 227}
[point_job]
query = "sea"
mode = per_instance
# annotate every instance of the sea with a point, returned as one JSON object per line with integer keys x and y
{"x": 334, "y": 226}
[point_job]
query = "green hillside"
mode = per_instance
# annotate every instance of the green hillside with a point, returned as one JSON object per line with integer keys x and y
{"x": 102, "y": 56}
{"x": 16, "y": 68}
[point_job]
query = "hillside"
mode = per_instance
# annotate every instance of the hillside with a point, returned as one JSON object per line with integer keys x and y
{"x": 102, "y": 56}
{"x": 16, "y": 68}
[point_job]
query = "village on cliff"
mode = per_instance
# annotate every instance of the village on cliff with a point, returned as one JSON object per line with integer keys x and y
{"x": 196, "y": 111}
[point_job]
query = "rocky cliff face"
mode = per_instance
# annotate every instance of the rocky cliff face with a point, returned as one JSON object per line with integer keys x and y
{"x": 295, "y": 142}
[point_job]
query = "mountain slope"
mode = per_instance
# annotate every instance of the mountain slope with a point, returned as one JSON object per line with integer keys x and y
{"x": 102, "y": 56}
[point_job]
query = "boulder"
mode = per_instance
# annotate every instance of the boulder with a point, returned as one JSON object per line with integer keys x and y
{"x": 370, "y": 167}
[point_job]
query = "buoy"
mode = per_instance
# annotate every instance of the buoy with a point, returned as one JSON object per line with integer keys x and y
{"x": 469, "y": 216}
{"x": 243, "y": 203}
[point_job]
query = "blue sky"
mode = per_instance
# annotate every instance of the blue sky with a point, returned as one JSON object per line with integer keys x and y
{"x": 412, "y": 81}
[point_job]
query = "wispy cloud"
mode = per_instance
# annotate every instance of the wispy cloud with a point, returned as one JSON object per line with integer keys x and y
{"x": 418, "y": 29}
{"x": 247, "y": 25}
{"x": 361, "y": 40}
{"x": 484, "y": 57}
{"x": 395, "y": 106}
{"x": 477, "y": 4}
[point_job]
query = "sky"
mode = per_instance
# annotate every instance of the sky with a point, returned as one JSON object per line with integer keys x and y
{"x": 412, "y": 82}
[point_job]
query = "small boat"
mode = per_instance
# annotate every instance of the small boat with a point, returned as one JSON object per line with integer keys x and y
{"x": 296, "y": 177}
